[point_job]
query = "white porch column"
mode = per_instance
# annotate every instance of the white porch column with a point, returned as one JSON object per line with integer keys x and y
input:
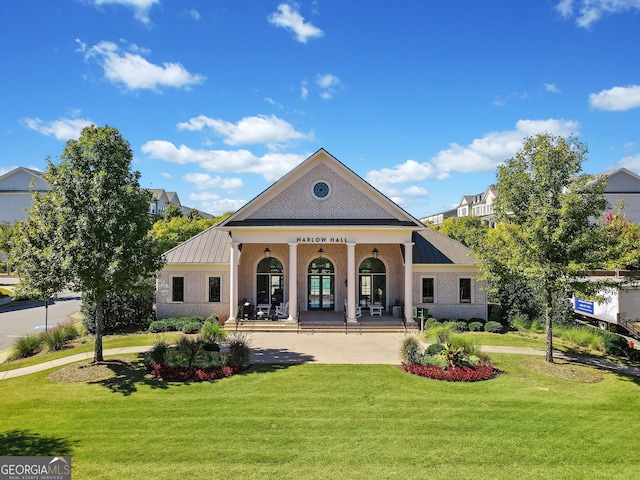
{"x": 233, "y": 281}
{"x": 293, "y": 281}
{"x": 351, "y": 283}
{"x": 408, "y": 281}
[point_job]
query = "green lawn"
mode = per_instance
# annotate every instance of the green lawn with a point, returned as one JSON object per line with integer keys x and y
{"x": 329, "y": 421}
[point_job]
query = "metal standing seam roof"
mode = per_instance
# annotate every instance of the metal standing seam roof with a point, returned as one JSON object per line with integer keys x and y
{"x": 214, "y": 246}
{"x": 209, "y": 246}
{"x": 431, "y": 247}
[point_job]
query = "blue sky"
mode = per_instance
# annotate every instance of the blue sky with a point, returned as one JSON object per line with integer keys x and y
{"x": 220, "y": 98}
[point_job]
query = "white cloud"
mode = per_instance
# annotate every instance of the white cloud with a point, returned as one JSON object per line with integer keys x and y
{"x": 616, "y": 98}
{"x": 167, "y": 175}
{"x": 62, "y": 128}
{"x": 290, "y": 19}
{"x": 632, "y": 162}
{"x": 204, "y": 181}
{"x": 135, "y": 72}
{"x": 271, "y": 166}
{"x": 409, "y": 171}
{"x": 481, "y": 155}
{"x": 215, "y": 204}
{"x": 329, "y": 84}
{"x": 304, "y": 91}
{"x": 501, "y": 100}
{"x": 551, "y": 87}
{"x": 486, "y": 153}
{"x": 193, "y": 13}
{"x": 590, "y": 11}
{"x": 140, "y": 7}
{"x": 269, "y": 130}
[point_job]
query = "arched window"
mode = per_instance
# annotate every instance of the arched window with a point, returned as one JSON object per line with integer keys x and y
{"x": 372, "y": 283}
{"x": 270, "y": 282}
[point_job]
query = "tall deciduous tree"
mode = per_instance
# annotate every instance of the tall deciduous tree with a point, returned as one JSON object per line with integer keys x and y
{"x": 36, "y": 253}
{"x": 548, "y": 211}
{"x": 102, "y": 218}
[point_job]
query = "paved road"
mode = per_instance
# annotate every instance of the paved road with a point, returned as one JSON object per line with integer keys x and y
{"x": 19, "y": 319}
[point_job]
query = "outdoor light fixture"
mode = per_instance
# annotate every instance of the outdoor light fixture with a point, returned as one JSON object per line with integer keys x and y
{"x": 374, "y": 253}
{"x": 321, "y": 253}
{"x": 267, "y": 253}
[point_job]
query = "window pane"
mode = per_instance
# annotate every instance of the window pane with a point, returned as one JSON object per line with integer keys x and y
{"x": 177, "y": 290}
{"x": 427, "y": 290}
{"x": 214, "y": 289}
{"x": 465, "y": 290}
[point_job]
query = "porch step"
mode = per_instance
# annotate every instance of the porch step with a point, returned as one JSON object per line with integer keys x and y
{"x": 261, "y": 326}
{"x": 312, "y": 327}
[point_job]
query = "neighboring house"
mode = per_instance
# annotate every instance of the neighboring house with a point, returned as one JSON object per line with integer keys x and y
{"x": 162, "y": 198}
{"x": 320, "y": 239}
{"x": 16, "y": 193}
{"x": 623, "y": 185}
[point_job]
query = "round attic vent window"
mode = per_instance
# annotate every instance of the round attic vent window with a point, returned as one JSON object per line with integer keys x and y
{"x": 321, "y": 190}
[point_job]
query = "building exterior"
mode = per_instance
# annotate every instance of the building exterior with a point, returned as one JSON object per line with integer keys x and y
{"x": 161, "y": 198}
{"x": 16, "y": 193}
{"x": 320, "y": 239}
{"x": 623, "y": 185}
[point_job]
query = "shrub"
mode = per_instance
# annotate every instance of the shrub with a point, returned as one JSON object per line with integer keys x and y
{"x": 538, "y": 325}
{"x": 467, "y": 344}
{"x": 239, "y": 350}
{"x": 54, "y": 339}
{"x": 434, "y": 349}
{"x": 212, "y": 331}
{"x": 460, "y": 326}
{"x": 584, "y": 337}
{"x": 70, "y": 331}
{"x": 434, "y": 361}
{"x": 614, "y": 344}
{"x": 411, "y": 349}
{"x": 439, "y": 333}
{"x": 430, "y": 323}
{"x": 191, "y": 327}
{"x": 493, "y": 327}
{"x": 476, "y": 327}
{"x": 160, "y": 326}
{"x": 123, "y": 312}
{"x": 521, "y": 322}
{"x": 26, "y": 347}
{"x": 158, "y": 353}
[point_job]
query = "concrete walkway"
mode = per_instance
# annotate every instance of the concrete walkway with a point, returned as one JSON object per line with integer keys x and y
{"x": 326, "y": 348}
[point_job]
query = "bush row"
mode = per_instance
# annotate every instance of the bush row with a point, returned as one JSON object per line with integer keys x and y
{"x": 461, "y": 326}
{"x": 183, "y": 324}
{"x": 50, "y": 340}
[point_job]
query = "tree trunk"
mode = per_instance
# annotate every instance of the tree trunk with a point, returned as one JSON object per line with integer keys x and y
{"x": 97, "y": 353}
{"x": 549, "y": 322}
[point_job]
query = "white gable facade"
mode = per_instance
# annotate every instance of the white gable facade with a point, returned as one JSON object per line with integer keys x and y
{"x": 16, "y": 193}
{"x": 320, "y": 239}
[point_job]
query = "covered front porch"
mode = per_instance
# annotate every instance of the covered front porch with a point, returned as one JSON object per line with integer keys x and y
{"x": 327, "y": 321}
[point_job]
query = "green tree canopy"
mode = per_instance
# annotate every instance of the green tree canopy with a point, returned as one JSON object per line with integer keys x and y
{"x": 169, "y": 233}
{"x": 469, "y": 230}
{"x": 546, "y": 232}
{"x": 101, "y": 219}
{"x": 172, "y": 211}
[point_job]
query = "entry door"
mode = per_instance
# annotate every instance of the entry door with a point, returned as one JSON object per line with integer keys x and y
{"x": 321, "y": 295}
